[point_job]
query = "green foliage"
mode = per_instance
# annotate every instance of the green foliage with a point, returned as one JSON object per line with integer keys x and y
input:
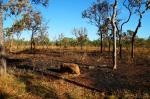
{"x": 21, "y": 42}
{"x": 97, "y": 12}
{"x": 96, "y": 43}
{"x": 8, "y": 32}
{"x": 23, "y": 11}
{"x": 72, "y": 42}
{"x": 81, "y": 35}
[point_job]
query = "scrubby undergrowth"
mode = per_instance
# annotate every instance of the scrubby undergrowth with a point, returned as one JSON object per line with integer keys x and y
{"x": 131, "y": 78}
{"x": 11, "y": 87}
{"x": 28, "y": 85}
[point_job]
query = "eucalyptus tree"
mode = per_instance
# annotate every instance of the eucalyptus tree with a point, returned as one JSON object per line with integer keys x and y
{"x": 128, "y": 7}
{"x": 103, "y": 12}
{"x": 13, "y": 8}
{"x": 140, "y": 8}
{"x": 97, "y": 13}
{"x": 114, "y": 32}
{"x": 33, "y": 22}
{"x": 42, "y": 34}
{"x": 81, "y": 35}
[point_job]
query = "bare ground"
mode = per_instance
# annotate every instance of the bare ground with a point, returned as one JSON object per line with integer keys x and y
{"x": 132, "y": 75}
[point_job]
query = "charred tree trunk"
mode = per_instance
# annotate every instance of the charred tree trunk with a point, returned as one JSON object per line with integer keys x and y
{"x": 2, "y": 48}
{"x": 134, "y": 35}
{"x": 125, "y": 22}
{"x": 101, "y": 42}
{"x": 109, "y": 45}
{"x": 11, "y": 43}
{"x": 18, "y": 36}
{"x": 32, "y": 41}
{"x": 132, "y": 47}
{"x": 120, "y": 47}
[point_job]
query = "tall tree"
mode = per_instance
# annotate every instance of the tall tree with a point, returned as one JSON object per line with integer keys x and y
{"x": 42, "y": 35}
{"x": 114, "y": 31}
{"x": 97, "y": 14}
{"x": 16, "y": 8}
{"x": 140, "y": 7}
{"x": 127, "y": 6}
{"x": 34, "y": 25}
{"x": 81, "y": 35}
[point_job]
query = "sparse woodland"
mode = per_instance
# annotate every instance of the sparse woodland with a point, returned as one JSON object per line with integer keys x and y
{"x": 116, "y": 65}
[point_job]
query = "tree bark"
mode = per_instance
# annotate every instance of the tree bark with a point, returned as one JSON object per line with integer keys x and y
{"x": 120, "y": 47}
{"x": 132, "y": 48}
{"x": 31, "y": 47}
{"x": 101, "y": 42}
{"x": 32, "y": 41}
{"x": 125, "y": 22}
{"x": 11, "y": 43}
{"x": 134, "y": 34}
{"x": 2, "y": 47}
{"x": 109, "y": 45}
{"x": 114, "y": 30}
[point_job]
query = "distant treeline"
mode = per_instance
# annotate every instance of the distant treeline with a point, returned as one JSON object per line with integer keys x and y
{"x": 72, "y": 42}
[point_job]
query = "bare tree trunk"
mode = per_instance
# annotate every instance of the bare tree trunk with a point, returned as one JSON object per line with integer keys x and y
{"x": 32, "y": 41}
{"x": 120, "y": 47}
{"x": 2, "y": 48}
{"x": 18, "y": 40}
{"x": 11, "y": 43}
{"x": 101, "y": 42}
{"x": 114, "y": 30}
{"x": 125, "y": 22}
{"x": 109, "y": 45}
{"x": 134, "y": 34}
{"x": 132, "y": 48}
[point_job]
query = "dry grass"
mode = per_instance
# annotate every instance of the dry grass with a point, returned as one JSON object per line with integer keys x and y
{"x": 11, "y": 87}
{"x": 52, "y": 88}
{"x": 28, "y": 85}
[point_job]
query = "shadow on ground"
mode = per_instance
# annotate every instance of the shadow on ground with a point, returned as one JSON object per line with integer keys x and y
{"x": 37, "y": 89}
{"x": 117, "y": 82}
{"x": 4, "y": 95}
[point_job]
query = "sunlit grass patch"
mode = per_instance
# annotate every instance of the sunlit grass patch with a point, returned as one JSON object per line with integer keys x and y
{"x": 31, "y": 85}
{"x": 10, "y": 86}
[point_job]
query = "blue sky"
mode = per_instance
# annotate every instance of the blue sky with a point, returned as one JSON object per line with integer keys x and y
{"x": 64, "y": 15}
